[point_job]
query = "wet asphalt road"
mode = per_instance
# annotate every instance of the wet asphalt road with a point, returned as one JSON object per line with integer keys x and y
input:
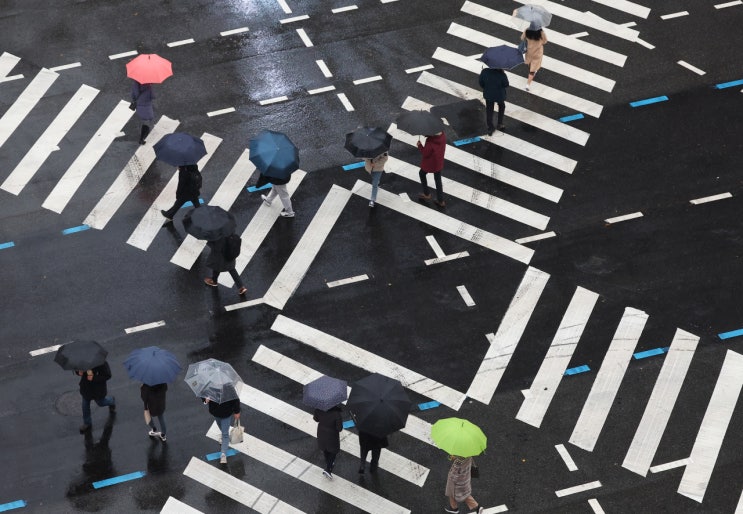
{"x": 678, "y": 262}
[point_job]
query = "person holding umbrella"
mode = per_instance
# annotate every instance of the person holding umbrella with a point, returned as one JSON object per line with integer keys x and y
{"x": 188, "y": 190}
{"x": 142, "y": 96}
{"x": 459, "y": 485}
{"x": 373, "y": 444}
{"x": 276, "y": 157}
{"x": 93, "y": 388}
{"x": 375, "y": 167}
{"x": 494, "y": 82}
{"x": 278, "y": 188}
{"x": 432, "y": 161}
{"x": 145, "y": 70}
{"x": 222, "y": 258}
{"x": 223, "y": 414}
{"x": 536, "y": 39}
{"x": 329, "y": 427}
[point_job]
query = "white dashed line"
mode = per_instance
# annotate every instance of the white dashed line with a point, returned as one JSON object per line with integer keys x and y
{"x": 146, "y": 326}
{"x": 66, "y": 66}
{"x": 446, "y": 258}
{"x": 123, "y": 54}
{"x": 594, "y": 503}
{"x": 221, "y": 111}
{"x": 242, "y": 305}
{"x": 321, "y": 90}
{"x": 674, "y": 15}
{"x": 419, "y": 68}
{"x": 12, "y": 77}
{"x": 629, "y": 24}
{"x": 181, "y": 42}
{"x": 345, "y": 102}
{"x": 728, "y": 4}
{"x": 670, "y": 465}
{"x": 42, "y": 351}
{"x": 626, "y": 217}
{"x": 324, "y": 68}
{"x": 690, "y": 67}
{"x": 468, "y": 301}
{"x": 295, "y": 18}
{"x": 344, "y": 9}
{"x": 367, "y": 79}
{"x": 566, "y": 458}
{"x": 578, "y": 489}
{"x": 579, "y": 34}
{"x": 284, "y": 6}
{"x": 537, "y": 237}
{"x": 305, "y": 38}
{"x": 342, "y": 282}
{"x": 712, "y": 198}
{"x": 274, "y": 100}
{"x": 233, "y": 31}
{"x": 644, "y": 43}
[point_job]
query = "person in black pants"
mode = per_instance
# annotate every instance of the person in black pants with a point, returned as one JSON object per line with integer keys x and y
{"x": 373, "y": 444}
{"x": 329, "y": 426}
{"x": 188, "y": 189}
{"x": 494, "y": 83}
{"x": 93, "y": 388}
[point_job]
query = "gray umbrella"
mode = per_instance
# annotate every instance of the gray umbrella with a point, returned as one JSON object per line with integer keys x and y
{"x": 325, "y": 393}
{"x": 213, "y": 379}
{"x": 80, "y": 355}
{"x": 534, "y": 17}
{"x": 420, "y": 123}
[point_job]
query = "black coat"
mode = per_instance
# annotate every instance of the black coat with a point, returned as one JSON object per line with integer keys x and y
{"x": 216, "y": 260}
{"x": 329, "y": 426}
{"x": 493, "y": 83}
{"x": 369, "y": 442}
{"x": 186, "y": 187}
{"x": 263, "y": 180}
{"x": 154, "y": 398}
{"x": 224, "y": 410}
{"x": 95, "y": 389}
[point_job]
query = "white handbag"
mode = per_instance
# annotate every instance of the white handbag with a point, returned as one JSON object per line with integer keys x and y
{"x": 236, "y": 433}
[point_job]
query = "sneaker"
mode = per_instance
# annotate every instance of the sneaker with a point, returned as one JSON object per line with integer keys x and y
{"x": 526, "y": 88}
{"x": 163, "y": 438}
{"x": 287, "y": 214}
{"x": 165, "y": 215}
{"x": 223, "y": 458}
{"x": 154, "y": 433}
{"x": 266, "y": 200}
{"x": 453, "y": 511}
{"x": 424, "y": 196}
{"x": 210, "y": 282}
{"x": 84, "y": 428}
{"x": 112, "y": 407}
{"x": 327, "y": 474}
{"x": 441, "y": 204}
{"x": 242, "y": 291}
{"x": 371, "y": 204}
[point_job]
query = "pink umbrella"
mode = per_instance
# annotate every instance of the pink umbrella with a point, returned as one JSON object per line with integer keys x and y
{"x": 149, "y": 69}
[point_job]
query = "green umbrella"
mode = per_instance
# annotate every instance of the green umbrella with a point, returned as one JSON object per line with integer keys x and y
{"x": 458, "y": 437}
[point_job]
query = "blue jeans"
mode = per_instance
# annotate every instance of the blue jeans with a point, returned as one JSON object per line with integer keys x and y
{"x": 161, "y": 419}
{"x": 224, "y": 426}
{"x": 375, "y": 177}
{"x": 86, "y": 407}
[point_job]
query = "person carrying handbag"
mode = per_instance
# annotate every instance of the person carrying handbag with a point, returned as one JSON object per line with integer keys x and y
{"x": 459, "y": 486}
{"x": 375, "y": 167}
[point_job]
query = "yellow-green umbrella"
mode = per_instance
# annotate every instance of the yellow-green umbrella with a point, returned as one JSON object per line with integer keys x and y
{"x": 458, "y": 437}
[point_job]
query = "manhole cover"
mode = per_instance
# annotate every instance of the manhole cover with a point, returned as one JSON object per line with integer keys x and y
{"x": 68, "y": 404}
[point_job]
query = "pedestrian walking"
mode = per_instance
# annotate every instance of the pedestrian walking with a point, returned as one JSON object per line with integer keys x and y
{"x": 223, "y": 414}
{"x": 154, "y": 406}
{"x": 188, "y": 190}
{"x": 432, "y": 161}
{"x": 459, "y": 485}
{"x": 373, "y": 444}
{"x": 142, "y": 96}
{"x": 222, "y": 255}
{"x": 494, "y": 82}
{"x": 93, "y": 388}
{"x": 375, "y": 167}
{"x": 278, "y": 189}
{"x": 329, "y": 426}
{"x": 535, "y": 41}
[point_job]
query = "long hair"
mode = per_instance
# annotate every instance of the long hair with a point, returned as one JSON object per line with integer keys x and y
{"x": 534, "y": 35}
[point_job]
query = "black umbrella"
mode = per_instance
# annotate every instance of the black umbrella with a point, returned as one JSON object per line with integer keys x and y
{"x": 379, "y": 405}
{"x": 368, "y": 142}
{"x": 209, "y": 222}
{"x": 80, "y": 355}
{"x": 420, "y": 123}
{"x": 179, "y": 149}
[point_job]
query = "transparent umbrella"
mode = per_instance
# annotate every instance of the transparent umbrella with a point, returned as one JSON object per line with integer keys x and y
{"x": 532, "y": 17}
{"x": 213, "y": 379}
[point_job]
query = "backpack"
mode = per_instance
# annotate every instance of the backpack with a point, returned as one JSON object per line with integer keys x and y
{"x": 232, "y": 247}
{"x": 194, "y": 179}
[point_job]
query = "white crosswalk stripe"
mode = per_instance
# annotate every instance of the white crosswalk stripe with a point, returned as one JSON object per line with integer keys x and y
{"x": 23, "y": 105}
{"x": 7, "y": 63}
{"x": 175, "y": 506}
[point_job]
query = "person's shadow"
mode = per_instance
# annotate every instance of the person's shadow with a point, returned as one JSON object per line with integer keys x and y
{"x": 98, "y": 465}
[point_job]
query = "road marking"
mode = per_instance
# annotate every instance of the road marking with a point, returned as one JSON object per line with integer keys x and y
{"x": 446, "y": 258}
{"x": 419, "y": 68}
{"x": 284, "y": 6}
{"x": 712, "y": 198}
{"x": 594, "y": 503}
{"x": 723, "y": 6}
{"x": 670, "y": 465}
{"x": 236, "y": 489}
{"x": 345, "y": 281}
{"x": 11, "y": 78}
{"x": 12, "y": 505}
{"x": 674, "y": 15}
{"x": 658, "y": 408}
{"x": 304, "y": 37}
{"x": 48, "y": 141}
{"x": 690, "y": 67}
{"x": 579, "y": 34}
{"x": 578, "y": 489}
{"x": 7, "y": 63}
{"x": 645, "y": 44}
{"x": 503, "y": 343}
{"x": 344, "y": 9}
{"x": 537, "y": 237}
{"x": 117, "y": 480}
{"x": 732, "y": 333}
{"x": 83, "y": 164}
{"x": 226, "y": 110}
{"x": 175, "y": 506}
{"x": 558, "y": 357}
{"x": 428, "y": 405}
{"x": 608, "y": 379}
{"x": 243, "y": 305}
{"x": 324, "y": 68}
{"x": 181, "y": 42}
{"x": 628, "y": 24}
{"x": 714, "y": 425}
{"x": 294, "y": 18}
{"x": 25, "y": 102}
{"x": 566, "y": 458}
{"x": 216, "y": 455}
{"x": 129, "y": 177}
{"x": 469, "y": 140}
{"x": 369, "y": 361}
{"x": 321, "y": 90}
{"x": 495, "y": 510}
{"x": 650, "y": 353}
{"x": 310, "y": 474}
{"x": 726, "y": 85}
{"x": 274, "y": 100}
{"x": 9, "y": 244}
{"x": 577, "y": 370}
{"x": 626, "y": 6}
{"x": 66, "y": 66}
{"x": 468, "y": 301}
{"x": 123, "y": 54}
{"x": 533, "y": 151}
{"x": 447, "y": 224}
{"x": 42, "y": 351}
{"x": 349, "y": 441}
{"x": 367, "y": 79}
{"x": 624, "y": 217}
{"x": 146, "y": 326}
{"x": 73, "y": 230}
{"x": 344, "y": 100}
{"x": 649, "y": 101}
{"x": 234, "y": 31}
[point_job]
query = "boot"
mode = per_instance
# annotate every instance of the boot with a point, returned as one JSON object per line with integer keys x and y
{"x": 143, "y": 134}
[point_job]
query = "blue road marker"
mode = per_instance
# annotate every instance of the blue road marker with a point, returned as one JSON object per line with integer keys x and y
{"x": 12, "y": 505}
{"x": 428, "y": 405}
{"x": 467, "y": 141}
{"x": 729, "y": 84}
{"x": 190, "y": 203}
{"x": 118, "y": 480}
{"x": 75, "y": 229}
{"x": 577, "y": 369}
{"x": 650, "y": 353}
{"x": 253, "y": 189}
{"x": 9, "y": 244}
{"x": 353, "y": 166}
{"x": 647, "y": 101}
{"x": 733, "y": 333}
{"x": 349, "y": 424}
{"x": 215, "y": 456}
{"x": 572, "y": 117}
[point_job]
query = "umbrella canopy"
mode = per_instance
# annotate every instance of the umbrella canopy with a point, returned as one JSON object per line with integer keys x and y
{"x": 532, "y": 17}
{"x": 420, "y": 123}
{"x": 325, "y": 392}
{"x": 179, "y": 149}
{"x": 81, "y": 355}
{"x": 149, "y": 69}
{"x": 213, "y": 379}
{"x": 379, "y": 405}
{"x": 368, "y": 142}
{"x": 274, "y": 154}
{"x": 502, "y": 57}
{"x": 458, "y": 437}
{"x": 152, "y": 366}
{"x": 209, "y": 222}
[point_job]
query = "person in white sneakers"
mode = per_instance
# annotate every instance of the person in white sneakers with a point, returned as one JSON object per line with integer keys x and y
{"x": 223, "y": 414}
{"x": 278, "y": 189}
{"x": 459, "y": 486}
{"x": 375, "y": 167}
{"x": 153, "y": 398}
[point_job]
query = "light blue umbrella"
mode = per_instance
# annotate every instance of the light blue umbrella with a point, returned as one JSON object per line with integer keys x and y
{"x": 274, "y": 154}
{"x": 325, "y": 392}
{"x": 152, "y": 366}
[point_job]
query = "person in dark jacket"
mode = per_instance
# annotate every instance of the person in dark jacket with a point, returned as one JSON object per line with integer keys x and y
{"x": 373, "y": 444}
{"x": 329, "y": 426}
{"x": 219, "y": 263}
{"x": 432, "y": 161}
{"x": 142, "y": 96}
{"x": 154, "y": 406}
{"x": 223, "y": 414}
{"x": 494, "y": 83}
{"x": 278, "y": 188}
{"x": 93, "y": 388}
{"x": 188, "y": 190}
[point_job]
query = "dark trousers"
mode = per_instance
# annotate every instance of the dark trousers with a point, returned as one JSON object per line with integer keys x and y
{"x": 374, "y": 460}
{"x": 329, "y": 460}
{"x": 179, "y": 201}
{"x": 233, "y": 273}
{"x": 490, "y": 108}
{"x": 437, "y": 179}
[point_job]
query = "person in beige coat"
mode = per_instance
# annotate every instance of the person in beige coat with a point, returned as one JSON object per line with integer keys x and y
{"x": 459, "y": 486}
{"x": 535, "y": 41}
{"x": 375, "y": 167}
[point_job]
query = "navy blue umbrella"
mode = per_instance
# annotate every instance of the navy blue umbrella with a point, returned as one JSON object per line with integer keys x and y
{"x": 274, "y": 154}
{"x": 179, "y": 149}
{"x": 325, "y": 392}
{"x": 152, "y": 366}
{"x": 502, "y": 57}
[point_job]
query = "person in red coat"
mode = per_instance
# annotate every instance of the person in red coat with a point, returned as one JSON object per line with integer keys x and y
{"x": 432, "y": 161}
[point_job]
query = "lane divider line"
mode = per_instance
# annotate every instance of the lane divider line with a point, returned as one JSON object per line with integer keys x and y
{"x": 576, "y": 370}
{"x": 12, "y": 505}
{"x": 649, "y": 101}
{"x": 732, "y": 333}
{"x": 566, "y": 458}
{"x": 726, "y": 85}
{"x": 119, "y": 479}
{"x": 624, "y": 217}
{"x": 221, "y": 111}
{"x": 674, "y": 15}
{"x": 351, "y": 280}
{"x": 690, "y": 67}
{"x": 72, "y": 230}
{"x": 295, "y": 18}
{"x": 123, "y": 54}
{"x": 712, "y": 198}
{"x": 146, "y": 326}
{"x": 9, "y": 244}
{"x": 578, "y": 489}
{"x": 181, "y": 42}
{"x": 233, "y": 31}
